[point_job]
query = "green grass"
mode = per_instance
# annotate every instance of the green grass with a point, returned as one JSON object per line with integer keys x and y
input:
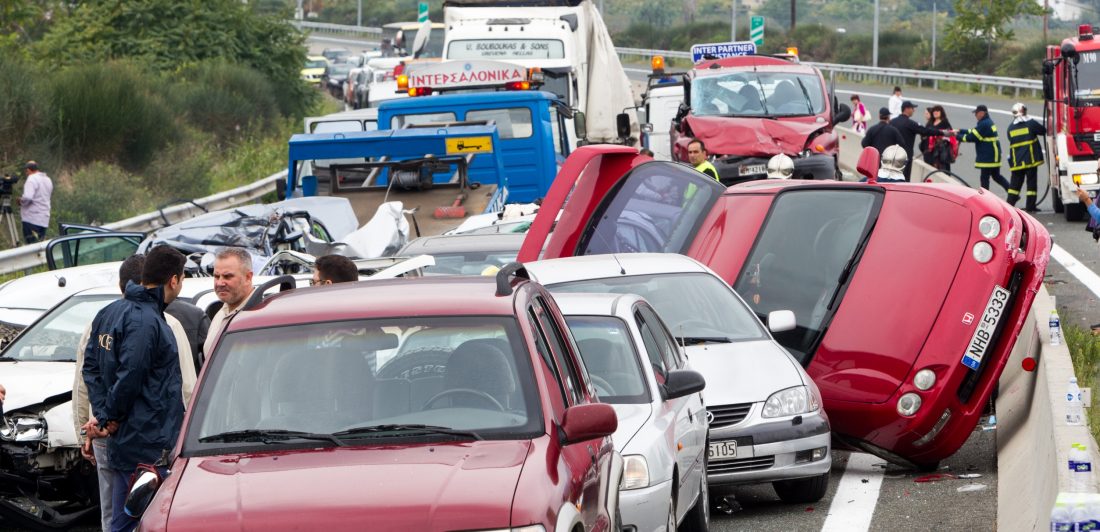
{"x": 1084, "y": 350}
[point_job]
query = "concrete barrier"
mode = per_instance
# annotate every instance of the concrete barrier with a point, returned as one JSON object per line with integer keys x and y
{"x": 849, "y": 153}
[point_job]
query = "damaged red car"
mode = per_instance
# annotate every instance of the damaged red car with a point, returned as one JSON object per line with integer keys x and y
{"x": 908, "y": 298}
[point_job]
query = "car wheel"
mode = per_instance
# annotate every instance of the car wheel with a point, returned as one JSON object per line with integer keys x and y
{"x": 928, "y": 467}
{"x": 698, "y": 518}
{"x": 670, "y": 522}
{"x": 1075, "y": 212}
{"x": 802, "y": 490}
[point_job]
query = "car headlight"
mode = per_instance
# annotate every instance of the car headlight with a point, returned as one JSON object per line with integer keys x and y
{"x": 635, "y": 472}
{"x": 983, "y": 252}
{"x": 1086, "y": 179}
{"x": 23, "y": 429}
{"x": 989, "y": 227}
{"x": 908, "y": 404}
{"x": 924, "y": 379}
{"x": 790, "y": 402}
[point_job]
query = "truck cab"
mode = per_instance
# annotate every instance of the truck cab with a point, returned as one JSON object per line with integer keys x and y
{"x": 1071, "y": 93}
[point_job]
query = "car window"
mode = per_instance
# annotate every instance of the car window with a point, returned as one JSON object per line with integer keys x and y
{"x": 400, "y": 121}
{"x": 559, "y": 348}
{"x": 652, "y": 347}
{"x": 611, "y": 358}
{"x": 752, "y": 93}
{"x": 655, "y": 208}
{"x": 512, "y": 123}
{"x": 669, "y": 350}
{"x": 470, "y": 263}
{"x": 803, "y": 255}
{"x": 696, "y": 306}
{"x": 467, "y": 373}
{"x": 56, "y": 337}
{"x": 543, "y": 348}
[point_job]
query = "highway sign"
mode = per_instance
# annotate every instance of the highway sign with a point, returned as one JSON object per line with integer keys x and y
{"x": 756, "y": 30}
{"x": 422, "y": 12}
{"x": 721, "y": 49}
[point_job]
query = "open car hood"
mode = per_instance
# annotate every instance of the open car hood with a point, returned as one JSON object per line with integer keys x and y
{"x": 753, "y": 137}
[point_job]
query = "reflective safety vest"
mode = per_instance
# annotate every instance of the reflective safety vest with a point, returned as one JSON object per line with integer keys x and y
{"x": 1023, "y": 141}
{"x": 987, "y": 148}
{"x": 709, "y": 169}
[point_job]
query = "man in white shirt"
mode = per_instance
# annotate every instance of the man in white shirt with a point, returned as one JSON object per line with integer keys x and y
{"x": 34, "y": 204}
{"x": 894, "y": 104}
{"x": 233, "y": 285}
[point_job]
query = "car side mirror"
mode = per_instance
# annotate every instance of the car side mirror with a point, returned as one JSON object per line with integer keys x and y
{"x": 842, "y": 114}
{"x": 868, "y": 163}
{"x": 781, "y": 321}
{"x": 681, "y": 382}
{"x": 141, "y": 494}
{"x": 622, "y": 125}
{"x": 588, "y": 422}
{"x": 579, "y": 125}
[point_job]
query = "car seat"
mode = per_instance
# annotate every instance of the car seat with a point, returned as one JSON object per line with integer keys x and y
{"x": 480, "y": 366}
{"x": 751, "y": 98}
{"x": 604, "y": 360}
{"x": 320, "y": 390}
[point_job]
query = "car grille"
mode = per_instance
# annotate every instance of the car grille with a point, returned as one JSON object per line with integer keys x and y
{"x": 740, "y": 464}
{"x": 725, "y": 415}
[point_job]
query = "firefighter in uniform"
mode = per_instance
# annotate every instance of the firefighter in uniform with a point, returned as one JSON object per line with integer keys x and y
{"x": 1024, "y": 156}
{"x": 987, "y": 147}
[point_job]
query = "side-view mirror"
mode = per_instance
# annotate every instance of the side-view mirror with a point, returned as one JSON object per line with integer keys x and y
{"x": 868, "y": 163}
{"x": 781, "y": 321}
{"x": 420, "y": 42}
{"x": 1048, "y": 80}
{"x": 141, "y": 494}
{"x": 579, "y": 125}
{"x": 681, "y": 382}
{"x": 589, "y": 421}
{"x": 842, "y": 114}
{"x": 622, "y": 125}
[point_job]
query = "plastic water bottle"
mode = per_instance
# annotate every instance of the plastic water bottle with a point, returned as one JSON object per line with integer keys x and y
{"x": 1074, "y": 410}
{"x": 1081, "y": 516}
{"x": 1090, "y": 520}
{"x": 1082, "y": 470}
{"x": 1061, "y": 518}
{"x": 1055, "y": 328}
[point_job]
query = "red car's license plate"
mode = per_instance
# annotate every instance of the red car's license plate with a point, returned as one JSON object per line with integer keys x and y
{"x": 987, "y": 326}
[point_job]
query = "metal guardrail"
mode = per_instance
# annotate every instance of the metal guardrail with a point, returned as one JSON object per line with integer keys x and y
{"x": 34, "y": 255}
{"x": 337, "y": 28}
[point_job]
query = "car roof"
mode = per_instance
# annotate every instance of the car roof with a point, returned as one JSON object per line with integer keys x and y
{"x": 746, "y": 62}
{"x": 421, "y": 296}
{"x": 553, "y": 271}
{"x": 596, "y": 304}
{"x": 956, "y": 193}
{"x": 464, "y": 242}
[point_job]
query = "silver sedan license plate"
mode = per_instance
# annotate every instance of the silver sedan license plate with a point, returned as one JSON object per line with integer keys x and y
{"x": 750, "y": 169}
{"x": 722, "y": 450}
{"x": 980, "y": 342}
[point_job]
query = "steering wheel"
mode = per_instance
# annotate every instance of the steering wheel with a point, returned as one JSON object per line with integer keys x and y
{"x": 603, "y": 388}
{"x": 464, "y": 391}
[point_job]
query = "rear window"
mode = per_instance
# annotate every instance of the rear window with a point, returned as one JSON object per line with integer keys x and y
{"x": 804, "y": 255}
{"x": 401, "y": 121}
{"x": 513, "y": 123}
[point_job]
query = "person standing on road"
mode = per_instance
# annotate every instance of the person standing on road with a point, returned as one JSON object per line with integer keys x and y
{"x": 894, "y": 103}
{"x": 34, "y": 204}
{"x": 882, "y": 135}
{"x": 987, "y": 147}
{"x": 132, "y": 371}
{"x": 233, "y": 285}
{"x": 697, "y": 155}
{"x": 940, "y": 151}
{"x": 194, "y": 322}
{"x": 860, "y": 115}
{"x": 909, "y": 129}
{"x": 1024, "y": 156}
{"x": 331, "y": 269}
{"x": 95, "y": 449}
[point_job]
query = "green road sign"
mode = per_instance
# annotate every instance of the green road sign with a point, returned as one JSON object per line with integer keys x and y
{"x": 756, "y": 30}
{"x": 422, "y": 12}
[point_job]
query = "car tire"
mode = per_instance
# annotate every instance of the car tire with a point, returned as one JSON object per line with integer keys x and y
{"x": 1075, "y": 212}
{"x": 802, "y": 490}
{"x": 928, "y": 467}
{"x": 698, "y": 518}
{"x": 670, "y": 521}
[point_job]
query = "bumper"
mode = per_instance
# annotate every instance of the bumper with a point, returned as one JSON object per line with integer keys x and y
{"x": 772, "y": 450}
{"x": 732, "y": 170}
{"x": 645, "y": 509}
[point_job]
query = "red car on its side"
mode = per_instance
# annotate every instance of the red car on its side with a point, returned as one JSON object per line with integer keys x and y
{"x": 908, "y": 297}
{"x": 411, "y": 404}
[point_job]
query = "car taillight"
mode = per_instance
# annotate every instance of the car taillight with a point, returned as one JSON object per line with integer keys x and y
{"x": 420, "y": 91}
{"x": 989, "y": 227}
{"x": 517, "y": 85}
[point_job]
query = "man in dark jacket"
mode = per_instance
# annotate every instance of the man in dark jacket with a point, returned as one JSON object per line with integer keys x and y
{"x": 987, "y": 148}
{"x": 1024, "y": 156}
{"x": 132, "y": 371}
{"x": 195, "y": 323}
{"x": 882, "y": 135}
{"x": 909, "y": 129}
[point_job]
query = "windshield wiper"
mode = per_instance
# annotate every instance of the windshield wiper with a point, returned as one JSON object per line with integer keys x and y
{"x": 269, "y": 436}
{"x": 430, "y": 429}
{"x": 806, "y": 94}
{"x": 696, "y": 340}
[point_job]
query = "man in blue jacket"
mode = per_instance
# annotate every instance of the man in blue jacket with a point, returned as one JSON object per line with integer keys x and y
{"x": 132, "y": 371}
{"x": 987, "y": 147}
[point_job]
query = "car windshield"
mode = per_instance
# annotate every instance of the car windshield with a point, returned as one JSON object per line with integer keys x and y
{"x": 804, "y": 256}
{"x": 469, "y": 262}
{"x": 611, "y": 359}
{"x": 696, "y": 306}
{"x": 377, "y": 379}
{"x": 339, "y": 69}
{"x": 747, "y": 93}
{"x": 316, "y": 64}
{"x": 56, "y": 337}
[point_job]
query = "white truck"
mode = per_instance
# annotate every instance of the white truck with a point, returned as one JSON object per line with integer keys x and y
{"x": 567, "y": 39}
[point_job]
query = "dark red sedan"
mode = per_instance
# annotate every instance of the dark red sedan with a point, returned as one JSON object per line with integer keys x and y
{"x": 427, "y": 404}
{"x": 908, "y": 298}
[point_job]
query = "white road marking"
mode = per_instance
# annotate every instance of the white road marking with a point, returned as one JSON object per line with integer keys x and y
{"x": 854, "y": 503}
{"x": 1080, "y": 271}
{"x": 922, "y": 100}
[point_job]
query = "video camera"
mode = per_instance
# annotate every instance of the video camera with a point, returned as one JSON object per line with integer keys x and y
{"x": 7, "y": 184}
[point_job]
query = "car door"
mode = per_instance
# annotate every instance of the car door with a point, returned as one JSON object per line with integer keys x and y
{"x": 91, "y": 248}
{"x": 612, "y": 200}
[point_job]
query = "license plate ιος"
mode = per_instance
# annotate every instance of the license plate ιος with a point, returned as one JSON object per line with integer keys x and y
{"x": 722, "y": 450}
{"x": 983, "y": 335}
{"x": 750, "y": 169}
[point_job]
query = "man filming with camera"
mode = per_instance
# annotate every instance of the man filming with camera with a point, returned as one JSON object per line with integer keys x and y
{"x": 34, "y": 204}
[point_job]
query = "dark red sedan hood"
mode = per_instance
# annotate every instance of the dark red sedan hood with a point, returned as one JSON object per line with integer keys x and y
{"x": 753, "y": 137}
{"x": 452, "y": 486}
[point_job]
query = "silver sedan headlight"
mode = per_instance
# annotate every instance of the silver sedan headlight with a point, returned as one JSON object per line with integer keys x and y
{"x": 635, "y": 472}
{"x": 23, "y": 429}
{"x": 791, "y": 402}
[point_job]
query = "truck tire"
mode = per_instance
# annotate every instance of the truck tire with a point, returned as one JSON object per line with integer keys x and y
{"x": 1056, "y": 198}
{"x": 1075, "y": 212}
